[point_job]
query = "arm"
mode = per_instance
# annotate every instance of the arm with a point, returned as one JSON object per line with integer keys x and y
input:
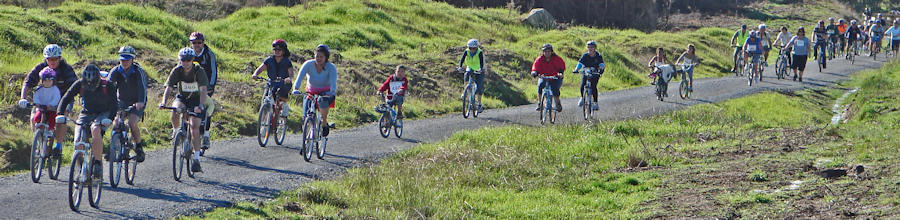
{"x": 481, "y": 59}
{"x": 142, "y": 92}
{"x": 462, "y": 60}
{"x": 74, "y": 90}
{"x": 213, "y": 69}
{"x": 680, "y": 58}
{"x": 384, "y": 86}
{"x": 333, "y": 79}
{"x": 202, "y": 98}
{"x": 734, "y": 37}
{"x": 31, "y": 80}
{"x": 301, "y": 75}
{"x": 262, "y": 67}
{"x": 403, "y": 87}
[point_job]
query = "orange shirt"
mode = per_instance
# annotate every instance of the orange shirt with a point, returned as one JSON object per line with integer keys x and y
{"x": 842, "y": 28}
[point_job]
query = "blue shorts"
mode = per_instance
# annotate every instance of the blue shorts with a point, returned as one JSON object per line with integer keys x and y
{"x": 479, "y": 81}
{"x": 555, "y": 84}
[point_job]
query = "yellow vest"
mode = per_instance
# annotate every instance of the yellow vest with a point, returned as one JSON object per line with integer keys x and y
{"x": 473, "y": 62}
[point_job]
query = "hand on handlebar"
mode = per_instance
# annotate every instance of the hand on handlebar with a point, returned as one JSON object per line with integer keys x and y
{"x": 296, "y": 92}
{"x": 534, "y": 74}
{"x": 198, "y": 109}
{"x": 23, "y": 103}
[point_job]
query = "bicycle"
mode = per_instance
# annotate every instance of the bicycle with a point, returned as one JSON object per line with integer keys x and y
{"x": 469, "y": 103}
{"x": 312, "y": 127}
{"x": 548, "y": 111}
{"x": 389, "y": 118}
{"x": 831, "y": 49}
{"x": 666, "y": 72}
{"x": 781, "y": 63}
{"x": 851, "y": 55}
{"x": 43, "y": 139}
{"x": 738, "y": 62}
{"x": 875, "y": 48}
{"x": 81, "y": 169}
{"x": 120, "y": 152}
{"x": 685, "y": 89}
{"x": 587, "y": 107}
{"x": 182, "y": 150}
{"x": 267, "y": 108}
{"x": 820, "y": 59}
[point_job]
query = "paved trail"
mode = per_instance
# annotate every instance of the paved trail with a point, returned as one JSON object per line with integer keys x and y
{"x": 240, "y": 170}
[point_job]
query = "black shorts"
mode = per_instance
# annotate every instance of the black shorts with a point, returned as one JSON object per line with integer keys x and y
{"x": 190, "y": 104}
{"x": 132, "y": 111}
{"x": 799, "y": 62}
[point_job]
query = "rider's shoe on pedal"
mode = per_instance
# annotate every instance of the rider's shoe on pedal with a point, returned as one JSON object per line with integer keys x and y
{"x": 558, "y": 106}
{"x": 480, "y": 108}
{"x": 57, "y": 151}
{"x": 595, "y": 106}
{"x": 327, "y": 129}
{"x": 195, "y": 165}
{"x": 98, "y": 169}
{"x": 580, "y": 102}
{"x": 139, "y": 151}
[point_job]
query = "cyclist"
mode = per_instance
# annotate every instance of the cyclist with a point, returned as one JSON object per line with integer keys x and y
{"x": 766, "y": 40}
{"x": 45, "y": 96}
{"x": 191, "y": 82}
{"x": 278, "y": 66}
{"x": 877, "y": 33}
{"x": 131, "y": 81}
{"x": 782, "y": 40}
{"x": 739, "y": 37}
{"x": 591, "y": 58}
{"x": 206, "y": 59}
{"x": 842, "y": 31}
{"x": 321, "y": 77}
{"x": 549, "y": 64}
{"x": 655, "y": 61}
{"x": 819, "y": 36}
{"x": 753, "y": 48}
{"x": 894, "y": 33}
{"x": 832, "y": 31}
{"x": 801, "y": 47}
{"x": 689, "y": 57}
{"x": 852, "y": 35}
{"x": 65, "y": 77}
{"x": 98, "y": 102}
{"x": 473, "y": 59}
{"x": 395, "y": 86}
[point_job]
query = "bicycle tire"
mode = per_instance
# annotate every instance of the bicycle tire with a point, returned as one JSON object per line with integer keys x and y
{"x": 115, "y": 168}
{"x": 96, "y": 189}
{"x": 280, "y": 129}
{"x": 320, "y": 149}
{"x": 384, "y": 125}
{"x": 586, "y": 103}
{"x": 76, "y": 188}
{"x": 177, "y": 163}
{"x": 465, "y": 103}
{"x": 472, "y": 103}
{"x": 263, "y": 122}
{"x": 309, "y": 134}
{"x": 36, "y": 163}
{"x": 53, "y": 165}
{"x": 398, "y": 127}
{"x": 130, "y": 167}
{"x": 683, "y": 89}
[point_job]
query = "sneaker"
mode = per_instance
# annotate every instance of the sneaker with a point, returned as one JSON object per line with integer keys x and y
{"x": 205, "y": 144}
{"x": 139, "y": 152}
{"x": 480, "y": 108}
{"x": 580, "y": 102}
{"x": 98, "y": 169}
{"x": 595, "y": 107}
{"x": 57, "y": 151}
{"x": 539, "y": 107}
{"x": 558, "y": 107}
{"x": 195, "y": 166}
{"x": 285, "y": 110}
{"x": 327, "y": 129}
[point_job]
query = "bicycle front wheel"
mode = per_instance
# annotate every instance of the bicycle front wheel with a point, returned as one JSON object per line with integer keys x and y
{"x": 384, "y": 125}
{"x": 37, "y": 160}
{"x": 683, "y": 89}
{"x": 309, "y": 138}
{"x": 466, "y": 106}
{"x": 113, "y": 155}
{"x": 586, "y": 104}
{"x": 53, "y": 163}
{"x": 130, "y": 167}
{"x": 75, "y": 185}
{"x": 177, "y": 163}
{"x": 95, "y": 189}
{"x": 280, "y": 130}
{"x": 263, "y": 123}
{"x": 398, "y": 126}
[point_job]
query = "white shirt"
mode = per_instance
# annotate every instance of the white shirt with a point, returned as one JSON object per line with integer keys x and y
{"x": 784, "y": 38}
{"x": 48, "y": 96}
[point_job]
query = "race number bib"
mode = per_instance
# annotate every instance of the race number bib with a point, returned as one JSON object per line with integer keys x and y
{"x": 395, "y": 87}
{"x": 189, "y": 87}
{"x": 751, "y": 47}
{"x": 801, "y": 43}
{"x": 830, "y": 31}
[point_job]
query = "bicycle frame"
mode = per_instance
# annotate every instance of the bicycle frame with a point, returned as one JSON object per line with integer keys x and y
{"x": 85, "y": 150}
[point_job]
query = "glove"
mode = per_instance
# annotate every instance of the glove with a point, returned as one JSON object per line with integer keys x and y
{"x": 296, "y": 92}
{"x": 23, "y": 103}
{"x": 534, "y": 74}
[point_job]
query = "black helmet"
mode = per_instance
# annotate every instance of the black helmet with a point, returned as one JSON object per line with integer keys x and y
{"x": 90, "y": 77}
{"x": 743, "y": 26}
{"x": 547, "y": 47}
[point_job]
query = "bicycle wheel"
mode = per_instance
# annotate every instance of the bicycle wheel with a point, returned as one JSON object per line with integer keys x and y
{"x": 683, "y": 89}
{"x": 263, "y": 122}
{"x": 659, "y": 90}
{"x": 53, "y": 162}
{"x": 320, "y": 149}
{"x": 280, "y": 130}
{"x": 748, "y": 70}
{"x": 37, "y": 160}
{"x": 551, "y": 111}
{"x": 543, "y": 106}
{"x": 75, "y": 185}
{"x": 309, "y": 137}
{"x": 113, "y": 155}
{"x": 384, "y": 125}
{"x": 130, "y": 167}
{"x": 398, "y": 127}
{"x": 177, "y": 163}
{"x": 586, "y": 103}
{"x": 472, "y": 103}
{"x": 465, "y": 103}
{"x": 95, "y": 189}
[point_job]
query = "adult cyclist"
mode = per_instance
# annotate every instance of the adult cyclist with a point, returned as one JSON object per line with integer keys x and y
{"x": 65, "y": 77}
{"x": 833, "y": 35}
{"x": 738, "y": 40}
{"x": 690, "y": 59}
{"x": 321, "y": 78}
{"x": 98, "y": 102}
{"x": 131, "y": 81}
{"x": 784, "y": 37}
{"x": 278, "y": 66}
{"x": 766, "y": 40}
{"x": 753, "y": 49}
{"x": 207, "y": 59}
{"x": 549, "y": 64}
{"x": 877, "y": 33}
{"x": 191, "y": 83}
{"x": 820, "y": 35}
{"x": 852, "y": 35}
{"x": 593, "y": 59}
{"x": 842, "y": 28}
{"x": 894, "y": 33}
{"x": 473, "y": 59}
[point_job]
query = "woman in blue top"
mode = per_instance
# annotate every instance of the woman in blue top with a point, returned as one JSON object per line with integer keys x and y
{"x": 801, "y": 46}
{"x": 591, "y": 59}
{"x": 279, "y": 69}
{"x": 321, "y": 78}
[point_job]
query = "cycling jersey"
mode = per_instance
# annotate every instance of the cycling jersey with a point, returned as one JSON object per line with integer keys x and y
{"x": 275, "y": 69}
{"x": 893, "y": 32}
{"x": 820, "y": 34}
{"x": 553, "y": 67}
{"x": 853, "y": 33}
{"x": 784, "y": 38}
{"x": 394, "y": 85}
{"x": 188, "y": 83}
{"x": 100, "y": 100}
{"x": 764, "y": 39}
{"x": 832, "y": 31}
{"x": 46, "y": 96}
{"x": 132, "y": 84}
{"x": 318, "y": 80}
{"x": 741, "y": 37}
{"x": 800, "y": 45}
{"x": 473, "y": 61}
{"x": 754, "y": 45}
{"x": 842, "y": 28}
{"x": 587, "y": 60}
{"x": 877, "y": 32}
{"x": 65, "y": 76}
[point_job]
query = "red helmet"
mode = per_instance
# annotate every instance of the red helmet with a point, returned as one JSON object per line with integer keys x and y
{"x": 279, "y": 42}
{"x": 197, "y": 36}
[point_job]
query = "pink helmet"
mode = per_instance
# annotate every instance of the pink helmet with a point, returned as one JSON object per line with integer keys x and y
{"x": 47, "y": 73}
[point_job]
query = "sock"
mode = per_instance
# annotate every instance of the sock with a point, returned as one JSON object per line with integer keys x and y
{"x": 196, "y": 155}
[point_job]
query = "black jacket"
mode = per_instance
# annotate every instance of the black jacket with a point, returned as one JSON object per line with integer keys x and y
{"x": 102, "y": 99}
{"x": 131, "y": 84}
{"x": 65, "y": 76}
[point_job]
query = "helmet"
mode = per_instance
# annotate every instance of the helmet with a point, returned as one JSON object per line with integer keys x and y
{"x": 324, "y": 48}
{"x": 831, "y": 19}
{"x": 841, "y": 20}
{"x": 186, "y": 53}
{"x": 126, "y": 53}
{"x": 197, "y": 36}
{"x": 90, "y": 77}
{"x": 762, "y": 26}
{"x": 47, "y": 73}
{"x": 853, "y": 22}
{"x": 279, "y": 42}
{"x": 743, "y": 26}
{"x": 52, "y": 50}
{"x": 472, "y": 43}
{"x": 754, "y": 33}
{"x": 589, "y": 43}
{"x": 547, "y": 47}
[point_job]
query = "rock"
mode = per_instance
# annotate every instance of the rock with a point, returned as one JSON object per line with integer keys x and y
{"x": 858, "y": 169}
{"x": 833, "y": 173}
{"x": 540, "y": 18}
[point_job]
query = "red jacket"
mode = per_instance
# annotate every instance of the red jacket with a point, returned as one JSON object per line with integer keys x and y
{"x": 392, "y": 85}
{"x": 552, "y": 68}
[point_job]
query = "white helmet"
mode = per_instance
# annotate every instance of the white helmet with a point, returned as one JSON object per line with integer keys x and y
{"x": 52, "y": 50}
{"x": 185, "y": 53}
{"x": 762, "y": 26}
{"x": 472, "y": 43}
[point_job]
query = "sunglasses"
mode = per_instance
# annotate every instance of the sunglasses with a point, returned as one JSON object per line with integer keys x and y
{"x": 197, "y": 42}
{"x": 187, "y": 60}
{"x": 277, "y": 49}
{"x": 53, "y": 59}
